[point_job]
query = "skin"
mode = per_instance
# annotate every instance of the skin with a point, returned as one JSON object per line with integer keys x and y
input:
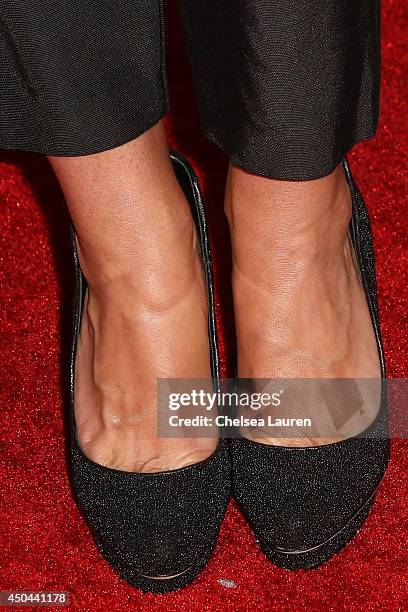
{"x": 138, "y": 251}
{"x": 300, "y": 308}
{"x": 299, "y": 305}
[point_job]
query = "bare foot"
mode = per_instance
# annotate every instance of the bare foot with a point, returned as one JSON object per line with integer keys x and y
{"x": 145, "y": 315}
{"x": 300, "y": 307}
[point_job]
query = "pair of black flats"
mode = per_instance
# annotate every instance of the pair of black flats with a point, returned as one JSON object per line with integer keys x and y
{"x": 158, "y": 530}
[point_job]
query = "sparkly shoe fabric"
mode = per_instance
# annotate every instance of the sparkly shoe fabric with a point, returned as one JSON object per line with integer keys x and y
{"x": 305, "y": 504}
{"x": 150, "y": 525}
{"x": 161, "y": 524}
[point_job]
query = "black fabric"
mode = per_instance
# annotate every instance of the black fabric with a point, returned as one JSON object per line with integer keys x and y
{"x": 284, "y": 87}
{"x": 79, "y": 76}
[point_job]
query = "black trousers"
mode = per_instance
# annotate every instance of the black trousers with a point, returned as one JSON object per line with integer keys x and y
{"x": 285, "y": 87}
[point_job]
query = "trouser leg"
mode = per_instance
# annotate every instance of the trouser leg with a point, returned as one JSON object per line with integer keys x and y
{"x": 285, "y": 87}
{"x": 79, "y": 77}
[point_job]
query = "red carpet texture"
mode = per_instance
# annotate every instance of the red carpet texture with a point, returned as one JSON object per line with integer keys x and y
{"x": 45, "y": 543}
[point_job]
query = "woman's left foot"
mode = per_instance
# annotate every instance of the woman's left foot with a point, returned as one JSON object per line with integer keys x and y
{"x": 302, "y": 311}
{"x": 300, "y": 307}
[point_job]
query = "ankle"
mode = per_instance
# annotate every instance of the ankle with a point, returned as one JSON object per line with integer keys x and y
{"x": 157, "y": 280}
{"x": 291, "y": 226}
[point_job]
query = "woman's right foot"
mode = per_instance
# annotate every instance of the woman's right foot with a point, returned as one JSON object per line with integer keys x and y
{"x": 146, "y": 293}
{"x": 135, "y": 329}
{"x": 156, "y": 525}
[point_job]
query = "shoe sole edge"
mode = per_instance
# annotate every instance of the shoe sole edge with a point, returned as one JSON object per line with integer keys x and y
{"x": 313, "y": 558}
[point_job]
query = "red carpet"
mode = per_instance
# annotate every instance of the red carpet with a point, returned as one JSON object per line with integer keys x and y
{"x": 46, "y": 545}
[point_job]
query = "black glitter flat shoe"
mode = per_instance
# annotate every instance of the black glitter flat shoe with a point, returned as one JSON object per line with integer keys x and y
{"x": 305, "y": 504}
{"x": 157, "y": 530}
